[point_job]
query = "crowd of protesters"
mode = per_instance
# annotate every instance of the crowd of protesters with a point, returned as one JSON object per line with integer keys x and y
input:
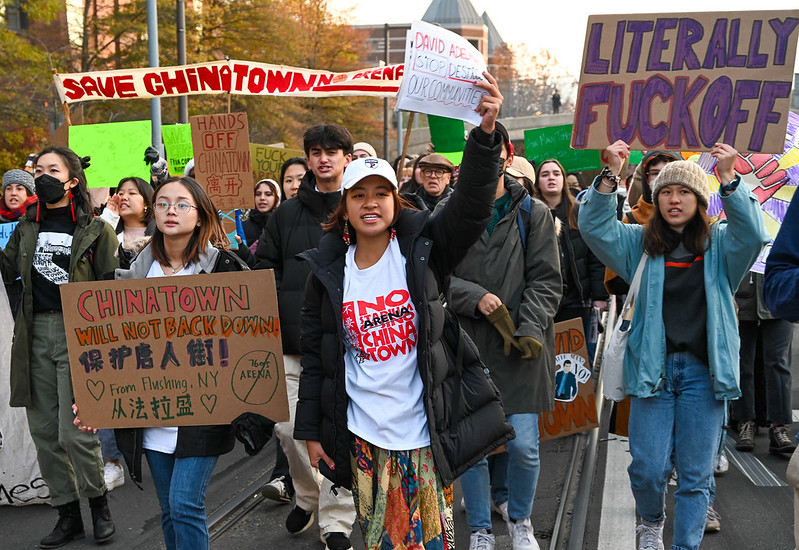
{"x": 495, "y": 244}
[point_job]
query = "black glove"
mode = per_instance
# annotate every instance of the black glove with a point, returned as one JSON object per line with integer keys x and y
{"x": 253, "y": 430}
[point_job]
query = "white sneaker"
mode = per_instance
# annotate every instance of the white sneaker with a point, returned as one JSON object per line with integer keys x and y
{"x": 522, "y": 535}
{"x": 114, "y": 475}
{"x": 722, "y": 464}
{"x": 481, "y": 540}
{"x": 501, "y": 509}
{"x": 649, "y": 535}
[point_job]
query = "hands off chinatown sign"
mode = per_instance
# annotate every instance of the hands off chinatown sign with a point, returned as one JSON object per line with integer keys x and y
{"x": 222, "y": 159}
{"x": 175, "y": 351}
{"x": 686, "y": 81}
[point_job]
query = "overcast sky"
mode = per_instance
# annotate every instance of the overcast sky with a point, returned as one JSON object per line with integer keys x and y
{"x": 557, "y": 25}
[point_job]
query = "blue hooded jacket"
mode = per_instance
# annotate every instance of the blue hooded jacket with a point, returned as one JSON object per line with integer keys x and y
{"x": 735, "y": 244}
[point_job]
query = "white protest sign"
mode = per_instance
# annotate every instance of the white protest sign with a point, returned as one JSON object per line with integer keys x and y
{"x": 440, "y": 70}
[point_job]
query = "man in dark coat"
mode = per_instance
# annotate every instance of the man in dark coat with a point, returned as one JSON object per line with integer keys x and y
{"x": 509, "y": 314}
{"x": 436, "y": 173}
{"x": 294, "y": 228}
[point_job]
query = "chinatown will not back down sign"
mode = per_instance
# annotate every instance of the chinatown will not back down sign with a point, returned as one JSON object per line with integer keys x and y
{"x": 175, "y": 351}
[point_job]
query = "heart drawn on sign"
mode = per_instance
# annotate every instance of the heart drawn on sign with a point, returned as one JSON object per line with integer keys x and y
{"x": 96, "y": 389}
{"x": 208, "y": 401}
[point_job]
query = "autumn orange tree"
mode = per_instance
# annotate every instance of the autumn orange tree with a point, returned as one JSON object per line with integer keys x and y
{"x": 113, "y": 34}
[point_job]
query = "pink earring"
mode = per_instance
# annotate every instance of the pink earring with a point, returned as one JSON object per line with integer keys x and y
{"x": 346, "y": 234}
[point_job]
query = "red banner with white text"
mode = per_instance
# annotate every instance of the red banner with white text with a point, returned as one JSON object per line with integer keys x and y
{"x": 227, "y": 76}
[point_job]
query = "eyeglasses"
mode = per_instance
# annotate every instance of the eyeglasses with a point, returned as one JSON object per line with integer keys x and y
{"x": 180, "y": 208}
{"x": 437, "y": 172}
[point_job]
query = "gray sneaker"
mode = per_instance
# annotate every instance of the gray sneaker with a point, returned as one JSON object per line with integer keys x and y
{"x": 779, "y": 440}
{"x": 649, "y": 536}
{"x": 746, "y": 436}
{"x": 712, "y": 521}
{"x": 522, "y": 535}
{"x": 276, "y": 490}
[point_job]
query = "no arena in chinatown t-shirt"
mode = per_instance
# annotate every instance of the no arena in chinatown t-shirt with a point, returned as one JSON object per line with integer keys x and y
{"x": 383, "y": 383}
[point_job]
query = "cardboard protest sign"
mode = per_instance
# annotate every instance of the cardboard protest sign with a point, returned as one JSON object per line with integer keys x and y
{"x": 175, "y": 351}
{"x": 552, "y": 142}
{"x": 440, "y": 70}
{"x": 684, "y": 81}
{"x": 772, "y": 178}
{"x": 226, "y": 76}
{"x": 222, "y": 158}
{"x": 179, "y": 149}
{"x": 575, "y": 405}
{"x": 116, "y": 150}
{"x": 267, "y": 160}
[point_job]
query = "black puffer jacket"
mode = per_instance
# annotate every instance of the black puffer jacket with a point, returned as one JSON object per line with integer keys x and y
{"x": 432, "y": 245}
{"x": 294, "y": 228}
{"x": 583, "y": 274}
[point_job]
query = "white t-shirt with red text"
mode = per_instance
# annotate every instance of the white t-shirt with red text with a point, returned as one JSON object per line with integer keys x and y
{"x": 383, "y": 382}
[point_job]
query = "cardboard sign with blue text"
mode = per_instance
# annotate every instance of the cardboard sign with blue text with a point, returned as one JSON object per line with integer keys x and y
{"x": 175, "y": 351}
{"x": 440, "y": 70}
{"x": 684, "y": 81}
{"x": 575, "y": 404}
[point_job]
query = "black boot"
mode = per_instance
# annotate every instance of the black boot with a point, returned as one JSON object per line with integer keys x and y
{"x": 68, "y": 528}
{"x": 102, "y": 523}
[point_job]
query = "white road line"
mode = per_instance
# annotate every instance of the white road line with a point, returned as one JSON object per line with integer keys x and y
{"x": 617, "y": 522}
{"x": 757, "y": 472}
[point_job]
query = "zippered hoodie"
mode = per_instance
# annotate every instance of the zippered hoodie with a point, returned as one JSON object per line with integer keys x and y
{"x": 735, "y": 244}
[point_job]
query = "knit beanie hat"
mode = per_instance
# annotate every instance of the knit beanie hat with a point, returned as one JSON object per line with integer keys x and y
{"x": 686, "y": 173}
{"x": 20, "y": 177}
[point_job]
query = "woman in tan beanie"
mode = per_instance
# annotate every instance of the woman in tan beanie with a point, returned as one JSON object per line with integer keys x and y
{"x": 682, "y": 352}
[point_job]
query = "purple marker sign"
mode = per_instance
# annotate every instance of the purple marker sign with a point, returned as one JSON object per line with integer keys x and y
{"x": 686, "y": 81}
{"x": 773, "y": 178}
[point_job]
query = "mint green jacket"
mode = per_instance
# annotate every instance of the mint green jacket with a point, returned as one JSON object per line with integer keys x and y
{"x": 735, "y": 244}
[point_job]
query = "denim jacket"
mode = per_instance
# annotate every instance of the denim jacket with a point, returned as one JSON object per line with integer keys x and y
{"x": 735, "y": 244}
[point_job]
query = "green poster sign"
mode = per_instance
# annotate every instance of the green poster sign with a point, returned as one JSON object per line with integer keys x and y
{"x": 555, "y": 142}
{"x": 447, "y": 134}
{"x": 116, "y": 150}
{"x": 179, "y": 150}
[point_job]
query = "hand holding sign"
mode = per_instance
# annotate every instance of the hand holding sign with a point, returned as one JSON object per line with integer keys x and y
{"x": 617, "y": 153}
{"x": 490, "y": 103}
{"x": 725, "y": 156}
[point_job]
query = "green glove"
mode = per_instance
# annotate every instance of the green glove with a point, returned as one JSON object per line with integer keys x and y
{"x": 530, "y": 348}
{"x": 501, "y": 320}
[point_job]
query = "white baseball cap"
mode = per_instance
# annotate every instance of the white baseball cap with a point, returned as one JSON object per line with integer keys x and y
{"x": 369, "y": 166}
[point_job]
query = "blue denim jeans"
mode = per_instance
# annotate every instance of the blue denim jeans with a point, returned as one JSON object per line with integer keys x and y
{"x": 180, "y": 484}
{"x": 108, "y": 444}
{"x": 522, "y": 476}
{"x": 684, "y": 417}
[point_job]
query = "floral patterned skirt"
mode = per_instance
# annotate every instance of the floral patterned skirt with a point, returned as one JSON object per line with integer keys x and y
{"x": 400, "y": 499}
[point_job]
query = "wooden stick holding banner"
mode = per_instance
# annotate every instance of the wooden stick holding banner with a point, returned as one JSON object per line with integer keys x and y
{"x": 405, "y": 141}
{"x": 177, "y": 351}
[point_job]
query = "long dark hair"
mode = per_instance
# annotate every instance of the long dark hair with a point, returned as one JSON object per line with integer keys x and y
{"x": 566, "y": 198}
{"x": 289, "y": 162}
{"x": 209, "y": 229}
{"x": 75, "y": 167}
{"x": 146, "y": 191}
{"x": 660, "y": 238}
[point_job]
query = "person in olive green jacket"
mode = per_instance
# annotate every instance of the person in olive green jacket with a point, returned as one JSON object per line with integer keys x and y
{"x": 56, "y": 242}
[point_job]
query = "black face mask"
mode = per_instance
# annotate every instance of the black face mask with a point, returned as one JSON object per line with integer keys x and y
{"x": 49, "y": 189}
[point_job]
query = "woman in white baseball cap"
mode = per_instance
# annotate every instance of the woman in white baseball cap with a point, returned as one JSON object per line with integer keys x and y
{"x": 370, "y": 401}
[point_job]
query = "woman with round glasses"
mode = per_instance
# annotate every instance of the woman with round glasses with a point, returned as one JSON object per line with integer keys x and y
{"x": 188, "y": 239}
